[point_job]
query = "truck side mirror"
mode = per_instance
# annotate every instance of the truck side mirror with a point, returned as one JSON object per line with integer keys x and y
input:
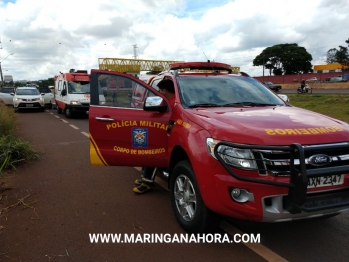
{"x": 64, "y": 92}
{"x": 154, "y": 103}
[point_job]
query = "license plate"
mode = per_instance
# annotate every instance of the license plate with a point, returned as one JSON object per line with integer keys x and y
{"x": 29, "y": 105}
{"x": 322, "y": 181}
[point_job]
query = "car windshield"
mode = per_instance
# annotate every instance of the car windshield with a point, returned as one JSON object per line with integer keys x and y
{"x": 78, "y": 87}
{"x": 212, "y": 91}
{"x": 44, "y": 90}
{"x": 6, "y": 90}
{"x": 27, "y": 92}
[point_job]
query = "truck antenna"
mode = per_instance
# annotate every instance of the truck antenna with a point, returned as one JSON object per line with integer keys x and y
{"x": 206, "y": 57}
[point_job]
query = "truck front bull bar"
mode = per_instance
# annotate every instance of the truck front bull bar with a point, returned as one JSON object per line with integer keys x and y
{"x": 297, "y": 199}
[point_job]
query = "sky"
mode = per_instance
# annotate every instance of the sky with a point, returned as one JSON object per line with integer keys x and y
{"x": 40, "y": 38}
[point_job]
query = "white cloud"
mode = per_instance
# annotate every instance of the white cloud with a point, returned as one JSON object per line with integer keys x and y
{"x": 51, "y": 36}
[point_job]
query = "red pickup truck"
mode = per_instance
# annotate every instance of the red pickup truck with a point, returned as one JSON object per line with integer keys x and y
{"x": 229, "y": 146}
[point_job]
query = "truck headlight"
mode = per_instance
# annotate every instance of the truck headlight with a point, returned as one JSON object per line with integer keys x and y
{"x": 75, "y": 103}
{"x": 238, "y": 157}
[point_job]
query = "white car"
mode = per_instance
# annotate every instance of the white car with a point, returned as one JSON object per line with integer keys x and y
{"x": 284, "y": 97}
{"x": 5, "y": 95}
{"x": 48, "y": 96}
{"x": 28, "y": 98}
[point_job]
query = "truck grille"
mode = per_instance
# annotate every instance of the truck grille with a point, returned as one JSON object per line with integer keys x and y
{"x": 277, "y": 163}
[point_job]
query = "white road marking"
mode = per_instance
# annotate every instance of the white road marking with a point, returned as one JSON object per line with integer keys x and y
{"x": 261, "y": 250}
{"x": 86, "y": 134}
{"x": 57, "y": 116}
{"x": 75, "y": 127}
{"x": 65, "y": 121}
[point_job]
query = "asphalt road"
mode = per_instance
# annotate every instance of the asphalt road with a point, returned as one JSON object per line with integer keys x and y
{"x": 68, "y": 199}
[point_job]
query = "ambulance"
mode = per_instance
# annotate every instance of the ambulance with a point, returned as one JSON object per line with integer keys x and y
{"x": 229, "y": 147}
{"x": 72, "y": 92}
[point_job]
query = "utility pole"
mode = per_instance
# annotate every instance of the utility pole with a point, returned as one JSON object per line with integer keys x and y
{"x": 2, "y": 77}
{"x": 135, "y": 56}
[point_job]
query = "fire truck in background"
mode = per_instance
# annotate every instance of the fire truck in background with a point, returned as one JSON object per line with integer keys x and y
{"x": 72, "y": 92}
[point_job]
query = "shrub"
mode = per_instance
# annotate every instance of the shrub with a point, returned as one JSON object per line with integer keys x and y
{"x": 8, "y": 120}
{"x": 13, "y": 151}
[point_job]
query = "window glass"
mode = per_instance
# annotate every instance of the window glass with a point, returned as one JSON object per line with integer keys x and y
{"x": 224, "y": 91}
{"x": 27, "y": 92}
{"x": 79, "y": 87}
{"x": 6, "y": 90}
{"x": 119, "y": 91}
{"x": 44, "y": 90}
{"x": 60, "y": 83}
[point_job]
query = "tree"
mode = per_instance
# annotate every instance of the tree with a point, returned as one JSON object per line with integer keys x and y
{"x": 285, "y": 59}
{"x": 340, "y": 56}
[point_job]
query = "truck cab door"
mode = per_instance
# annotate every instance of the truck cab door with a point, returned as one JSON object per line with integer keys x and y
{"x": 121, "y": 133}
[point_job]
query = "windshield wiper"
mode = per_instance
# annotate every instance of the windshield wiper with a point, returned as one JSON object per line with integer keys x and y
{"x": 246, "y": 103}
{"x": 204, "y": 105}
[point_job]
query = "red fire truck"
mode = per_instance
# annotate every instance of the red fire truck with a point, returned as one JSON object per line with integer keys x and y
{"x": 229, "y": 146}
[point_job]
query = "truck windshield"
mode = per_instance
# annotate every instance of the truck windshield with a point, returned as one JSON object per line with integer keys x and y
{"x": 224, "y": 90}
{"x": 78, "y": 87}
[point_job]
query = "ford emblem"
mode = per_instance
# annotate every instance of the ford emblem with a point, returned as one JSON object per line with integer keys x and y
{"x": 319, "y": 160}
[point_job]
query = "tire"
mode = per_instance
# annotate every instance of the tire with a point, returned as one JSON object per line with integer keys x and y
{"x": 299, "y": 91}
{"x": 59, "y": 110}
{"x": 187, "y": 204}
{"x": 68, "y": 113}
{"x": 309, "y": 91}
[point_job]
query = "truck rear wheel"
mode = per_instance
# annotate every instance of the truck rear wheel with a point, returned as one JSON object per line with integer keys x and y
{"x": 187, "y": 204}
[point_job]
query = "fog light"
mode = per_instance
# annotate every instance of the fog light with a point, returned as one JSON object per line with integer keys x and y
{"x": 235, "y": 193}
{"x": 241, "y": 195}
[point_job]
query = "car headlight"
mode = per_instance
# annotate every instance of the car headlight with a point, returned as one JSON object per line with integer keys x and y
{"x": 75, "y": 103}
{"x": 18, "y": 99}
{"x": 238, "y": 157}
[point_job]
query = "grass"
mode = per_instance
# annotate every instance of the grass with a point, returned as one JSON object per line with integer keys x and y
{"x": 334, "y": 105}
{"x": 8, "y": 120}
{"x": 13, "y": 150}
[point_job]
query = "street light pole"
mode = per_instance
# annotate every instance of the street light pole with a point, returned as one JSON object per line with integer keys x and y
{"x": 2, "y": 77}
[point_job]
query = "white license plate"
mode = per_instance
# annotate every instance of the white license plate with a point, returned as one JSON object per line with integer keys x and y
{"x": 29, "y": 105}
{"x": 321, "y": 181}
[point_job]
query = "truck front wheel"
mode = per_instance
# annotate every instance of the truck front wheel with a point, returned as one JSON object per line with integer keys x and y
{"x": 187, "y": 204}
{"x": 68, "y": 113}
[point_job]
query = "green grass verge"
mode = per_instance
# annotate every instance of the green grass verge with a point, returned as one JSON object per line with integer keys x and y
{"x": 13, "y": 150}
{"x": 336, "y": 106}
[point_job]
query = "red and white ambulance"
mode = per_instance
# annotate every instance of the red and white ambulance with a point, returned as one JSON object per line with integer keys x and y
{"x": 72, "y": 92}
{"x": 229, "y": 146}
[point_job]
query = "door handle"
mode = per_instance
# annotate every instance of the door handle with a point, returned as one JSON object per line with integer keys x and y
{"x": 104, "y": 119}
